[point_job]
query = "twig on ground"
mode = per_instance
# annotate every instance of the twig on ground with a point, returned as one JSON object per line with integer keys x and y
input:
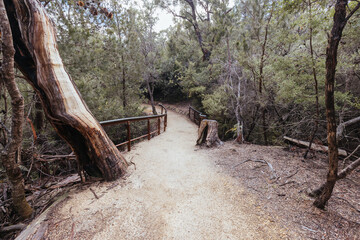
{"x": 96, "y": 196}
{"x": 283, "y": 184}
{"x": 291, "y": 175}
{"x": 273, "y": 176}
{"x": 309, "y": 229}
{"x": 72, "y": 231}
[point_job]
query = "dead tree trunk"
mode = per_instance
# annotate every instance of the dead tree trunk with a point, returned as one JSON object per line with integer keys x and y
{"x": 340, "y": 20}
{"x": 208, "y": 133}
{"x": 8, "y": 154}
{"x": 38, "y": 59}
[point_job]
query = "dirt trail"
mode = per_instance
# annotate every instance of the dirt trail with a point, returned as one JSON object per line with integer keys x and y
{"x": 176, "y": 192}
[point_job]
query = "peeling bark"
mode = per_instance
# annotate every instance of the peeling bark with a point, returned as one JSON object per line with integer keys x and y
{"x": 38, "y": 59}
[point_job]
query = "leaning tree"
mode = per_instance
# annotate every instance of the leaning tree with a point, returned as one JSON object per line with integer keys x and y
{"x": 37, "y": 57}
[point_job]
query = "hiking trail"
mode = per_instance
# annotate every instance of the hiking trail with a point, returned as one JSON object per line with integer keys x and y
{"x": 176, "y": 192}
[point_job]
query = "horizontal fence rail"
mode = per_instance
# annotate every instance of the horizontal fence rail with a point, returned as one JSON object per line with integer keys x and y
{"x": 196, "y": 116}
{"x": 128, "y": 120}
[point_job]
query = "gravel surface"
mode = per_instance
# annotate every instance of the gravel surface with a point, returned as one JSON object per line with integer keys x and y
{"x": 176, "y": 192}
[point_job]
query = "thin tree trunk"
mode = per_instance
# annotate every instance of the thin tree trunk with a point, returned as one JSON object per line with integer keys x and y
{"x": 123, "y": 81}
{"x": 17, "y": 102}
{"x": 261, "y": 77}
{"x": 39, "y": 116}
{"x": 316, "y": 121}
{"x": 340, "y": 20}
{"x": 38, "y": 59}
{"x": 151, "y": 93}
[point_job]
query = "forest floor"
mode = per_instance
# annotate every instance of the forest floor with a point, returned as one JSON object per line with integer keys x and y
{"x": 176, "y": 190}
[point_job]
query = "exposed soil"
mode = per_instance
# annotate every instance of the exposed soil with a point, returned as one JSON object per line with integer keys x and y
{"x": 176, "y": 190}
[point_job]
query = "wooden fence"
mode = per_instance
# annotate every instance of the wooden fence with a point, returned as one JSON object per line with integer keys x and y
{"x": 195, "y": 115}
{"x": 127, "y": 121}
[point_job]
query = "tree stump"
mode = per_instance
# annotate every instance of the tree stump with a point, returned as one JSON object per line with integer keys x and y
{"x": 208, "y": 133}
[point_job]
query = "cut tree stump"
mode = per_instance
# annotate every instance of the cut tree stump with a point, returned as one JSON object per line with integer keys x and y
{"x": 208, "y": 133}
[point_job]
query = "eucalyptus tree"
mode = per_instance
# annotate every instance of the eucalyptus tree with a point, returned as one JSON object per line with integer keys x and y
{"x": 38, "y": 59}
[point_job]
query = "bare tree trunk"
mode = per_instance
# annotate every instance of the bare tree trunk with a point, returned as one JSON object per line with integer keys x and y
{"x": 340, "y": 20}
{"x": 261, "y": 77}
{"x": 17, "y": 102}
{"x": 38, "y": 59}
{"x": 151, "y": 94}
{"x": 123, "y": 81}
{"x": 316, "y": 120}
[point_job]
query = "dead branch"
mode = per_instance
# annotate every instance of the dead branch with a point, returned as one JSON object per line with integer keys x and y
{"x": 291, "y": 175}
{"x": 12, "y": 228}
{"x": 351, "y": 154}
{"x": 340, "y": 129}
{"x": 341, "y": 175}
{"x": 316, "y": 147}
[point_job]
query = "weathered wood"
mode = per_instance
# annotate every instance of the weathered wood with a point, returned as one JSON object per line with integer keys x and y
{"x": 316, "y": 147}
{"x": 38, "y": 59}
{"x": 208, "y": 133}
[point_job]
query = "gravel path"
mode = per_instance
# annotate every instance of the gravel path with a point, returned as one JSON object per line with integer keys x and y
{"x": 176, "y": 192}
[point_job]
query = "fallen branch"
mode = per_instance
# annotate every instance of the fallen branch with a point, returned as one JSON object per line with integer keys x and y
{"x": 351, "y": 154}
{"x": 341, "y": 127}
{"x": 341, "y": 175}
{"x": 12, "y": 228}
{"x": 316, "y": 147}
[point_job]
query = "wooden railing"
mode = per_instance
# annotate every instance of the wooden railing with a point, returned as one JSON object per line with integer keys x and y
{"x": 128, "y": 120}
{"x": 195, "y": 115}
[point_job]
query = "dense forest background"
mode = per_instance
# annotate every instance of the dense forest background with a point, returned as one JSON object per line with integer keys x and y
{"x": 256, "y": 66}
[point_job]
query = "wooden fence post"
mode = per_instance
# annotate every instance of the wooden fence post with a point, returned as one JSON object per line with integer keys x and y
{"x": 129, "y": 135}
{"x": 159, "y": 126}
{"x": 148, "y": 128}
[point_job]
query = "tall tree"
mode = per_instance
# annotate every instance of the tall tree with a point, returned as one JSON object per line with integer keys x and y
{"x": 38, "y": 59}
{"x": 17, "y": 102}
{"x": 340, "y": 20}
